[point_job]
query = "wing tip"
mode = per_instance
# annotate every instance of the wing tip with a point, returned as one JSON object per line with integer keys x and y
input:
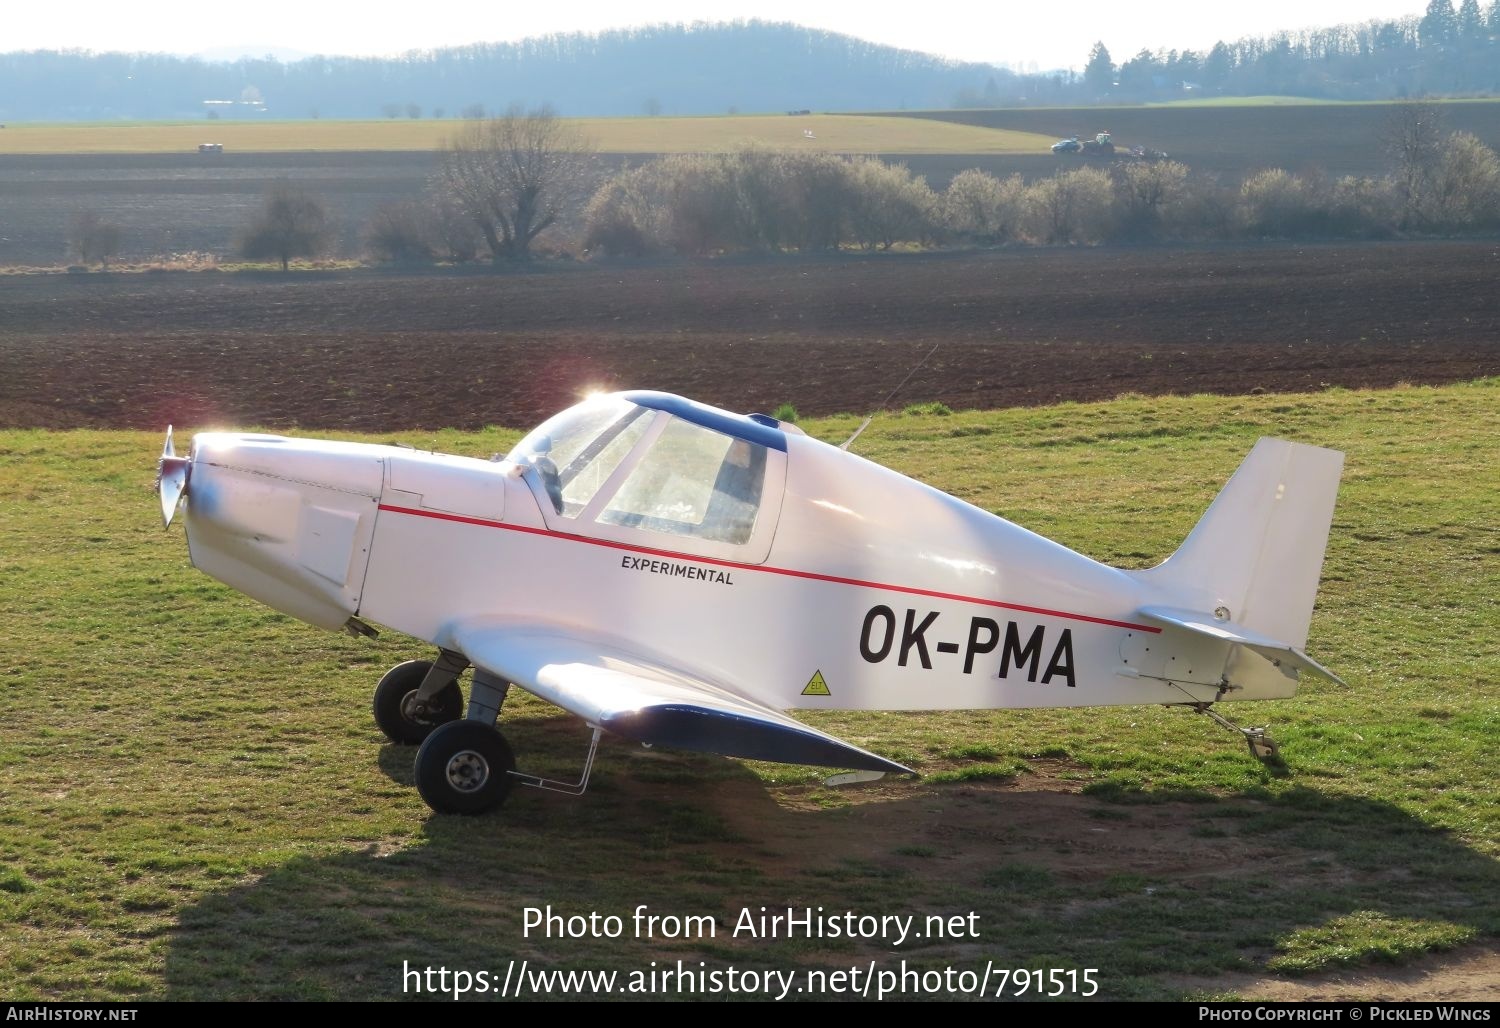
{"x": 703, "y": 729}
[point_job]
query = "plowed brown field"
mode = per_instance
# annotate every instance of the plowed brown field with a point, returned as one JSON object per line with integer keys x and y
{"x": 372, "y": 350}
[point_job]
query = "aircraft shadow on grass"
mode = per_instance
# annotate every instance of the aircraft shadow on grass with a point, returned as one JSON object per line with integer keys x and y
{"x": 560, "y": 570}
{"x": 1157, "y": 891}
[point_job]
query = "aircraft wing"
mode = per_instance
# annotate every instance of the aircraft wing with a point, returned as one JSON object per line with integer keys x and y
{"x": 1227, "y": 631}
{"x": 646, "y": 702}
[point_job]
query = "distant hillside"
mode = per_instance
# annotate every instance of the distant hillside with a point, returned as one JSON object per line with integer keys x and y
{"x": 751, "y": 68}
{"x": 747, "y": 67}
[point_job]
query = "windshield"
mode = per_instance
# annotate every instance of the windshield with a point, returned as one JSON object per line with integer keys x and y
{"x": 576, "y": 451}
{"x": 693, "y": 481}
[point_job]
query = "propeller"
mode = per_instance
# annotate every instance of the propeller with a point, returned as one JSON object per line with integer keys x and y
{"x": 171, "y": 479}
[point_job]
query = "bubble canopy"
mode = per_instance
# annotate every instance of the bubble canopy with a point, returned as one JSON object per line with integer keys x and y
{"x": 655, "y": 462}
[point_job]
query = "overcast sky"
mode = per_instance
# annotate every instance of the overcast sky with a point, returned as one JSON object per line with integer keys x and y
{"x": 1046, "y": 35}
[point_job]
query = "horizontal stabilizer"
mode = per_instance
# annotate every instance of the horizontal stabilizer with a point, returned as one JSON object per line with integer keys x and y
{"x": 1273, "y": 650}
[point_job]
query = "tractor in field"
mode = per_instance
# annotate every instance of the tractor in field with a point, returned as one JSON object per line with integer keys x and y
{"x": 1103, "y": 145}
{"x": 1100, "y": 146}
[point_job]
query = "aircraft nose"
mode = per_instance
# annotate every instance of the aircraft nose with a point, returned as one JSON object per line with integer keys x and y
{"x": 253, "y": 486}
{"x": 286, "y": 521}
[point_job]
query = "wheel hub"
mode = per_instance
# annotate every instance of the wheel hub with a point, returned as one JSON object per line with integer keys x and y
{"x": 468, "y": 771}
{"x": 415, "y": 710}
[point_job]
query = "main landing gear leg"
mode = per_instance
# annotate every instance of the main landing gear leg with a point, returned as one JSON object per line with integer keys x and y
{"x": 415, "y": 697}
{"x": 467, "y": 767}
{"x": 486, "y": 697}
{"x": 1262, "y": 747}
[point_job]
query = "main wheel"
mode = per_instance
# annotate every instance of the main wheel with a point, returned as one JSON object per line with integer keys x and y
{"x": 404, "y": 718}
{"x": 464, "y": 768}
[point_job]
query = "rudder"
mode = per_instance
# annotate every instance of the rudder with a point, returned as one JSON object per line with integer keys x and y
{"x": 1257, "y": 552}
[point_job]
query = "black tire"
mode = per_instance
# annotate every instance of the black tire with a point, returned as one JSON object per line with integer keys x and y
{"x": 464, "y": 768}
{"x": 401, "y": 717}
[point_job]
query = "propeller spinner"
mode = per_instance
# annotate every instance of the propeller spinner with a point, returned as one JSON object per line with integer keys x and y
{"x": 171, "y": 479}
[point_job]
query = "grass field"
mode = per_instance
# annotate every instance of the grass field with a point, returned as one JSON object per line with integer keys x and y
{"x": 197, "y": 805}
{"x": 835, "y": 133}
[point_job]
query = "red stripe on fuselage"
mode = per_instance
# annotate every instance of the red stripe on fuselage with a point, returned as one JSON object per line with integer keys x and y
{"x": 765, "y": 569}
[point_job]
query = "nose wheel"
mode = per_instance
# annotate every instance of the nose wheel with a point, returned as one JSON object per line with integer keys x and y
{"x": 465, "y": 768}
{"x": 401, "y": 710}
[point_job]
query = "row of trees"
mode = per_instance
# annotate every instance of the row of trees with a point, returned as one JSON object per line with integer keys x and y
{"x": 506, "y": 182}
{"x": 760, "y": 201}
{"x": 765, "y": 201}
{"x": 1447, "y": 50}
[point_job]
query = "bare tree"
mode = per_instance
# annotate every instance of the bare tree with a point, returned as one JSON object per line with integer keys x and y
{"x": 889, "y": 205}
{"x": 820, "y": 196}
{"x": 1147, "y": 193}
{"x": 1070, "y": 207}
{"x": 620, "y": 216}
{"x": 1276, "y": 204}
{"x": 1466, "y": 185}
{"x": 454, "y": 236}
{"x": 980, "y": 207}
{"x": 401, "y": 233}
{"x": 92, "y": 239}
{"x": 1414, "y": 144}
{"x": 515, "y": 176}
{"x": 291, "y": 224}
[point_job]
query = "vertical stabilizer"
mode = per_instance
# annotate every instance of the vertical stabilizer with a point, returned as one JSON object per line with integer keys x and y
{"x": 1257, "y": 552}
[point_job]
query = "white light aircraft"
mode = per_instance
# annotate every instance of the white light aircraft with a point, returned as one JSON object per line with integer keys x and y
{"x": 678, "y": 575}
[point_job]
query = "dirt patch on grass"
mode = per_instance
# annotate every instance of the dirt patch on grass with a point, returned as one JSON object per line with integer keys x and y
{"x": 1470, "y": 974}
{"x": 1037, "y": 839}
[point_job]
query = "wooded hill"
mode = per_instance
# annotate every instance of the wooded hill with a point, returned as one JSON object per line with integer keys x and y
{"x": 752, "y": 67}
{"x": 749, "y": 67}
